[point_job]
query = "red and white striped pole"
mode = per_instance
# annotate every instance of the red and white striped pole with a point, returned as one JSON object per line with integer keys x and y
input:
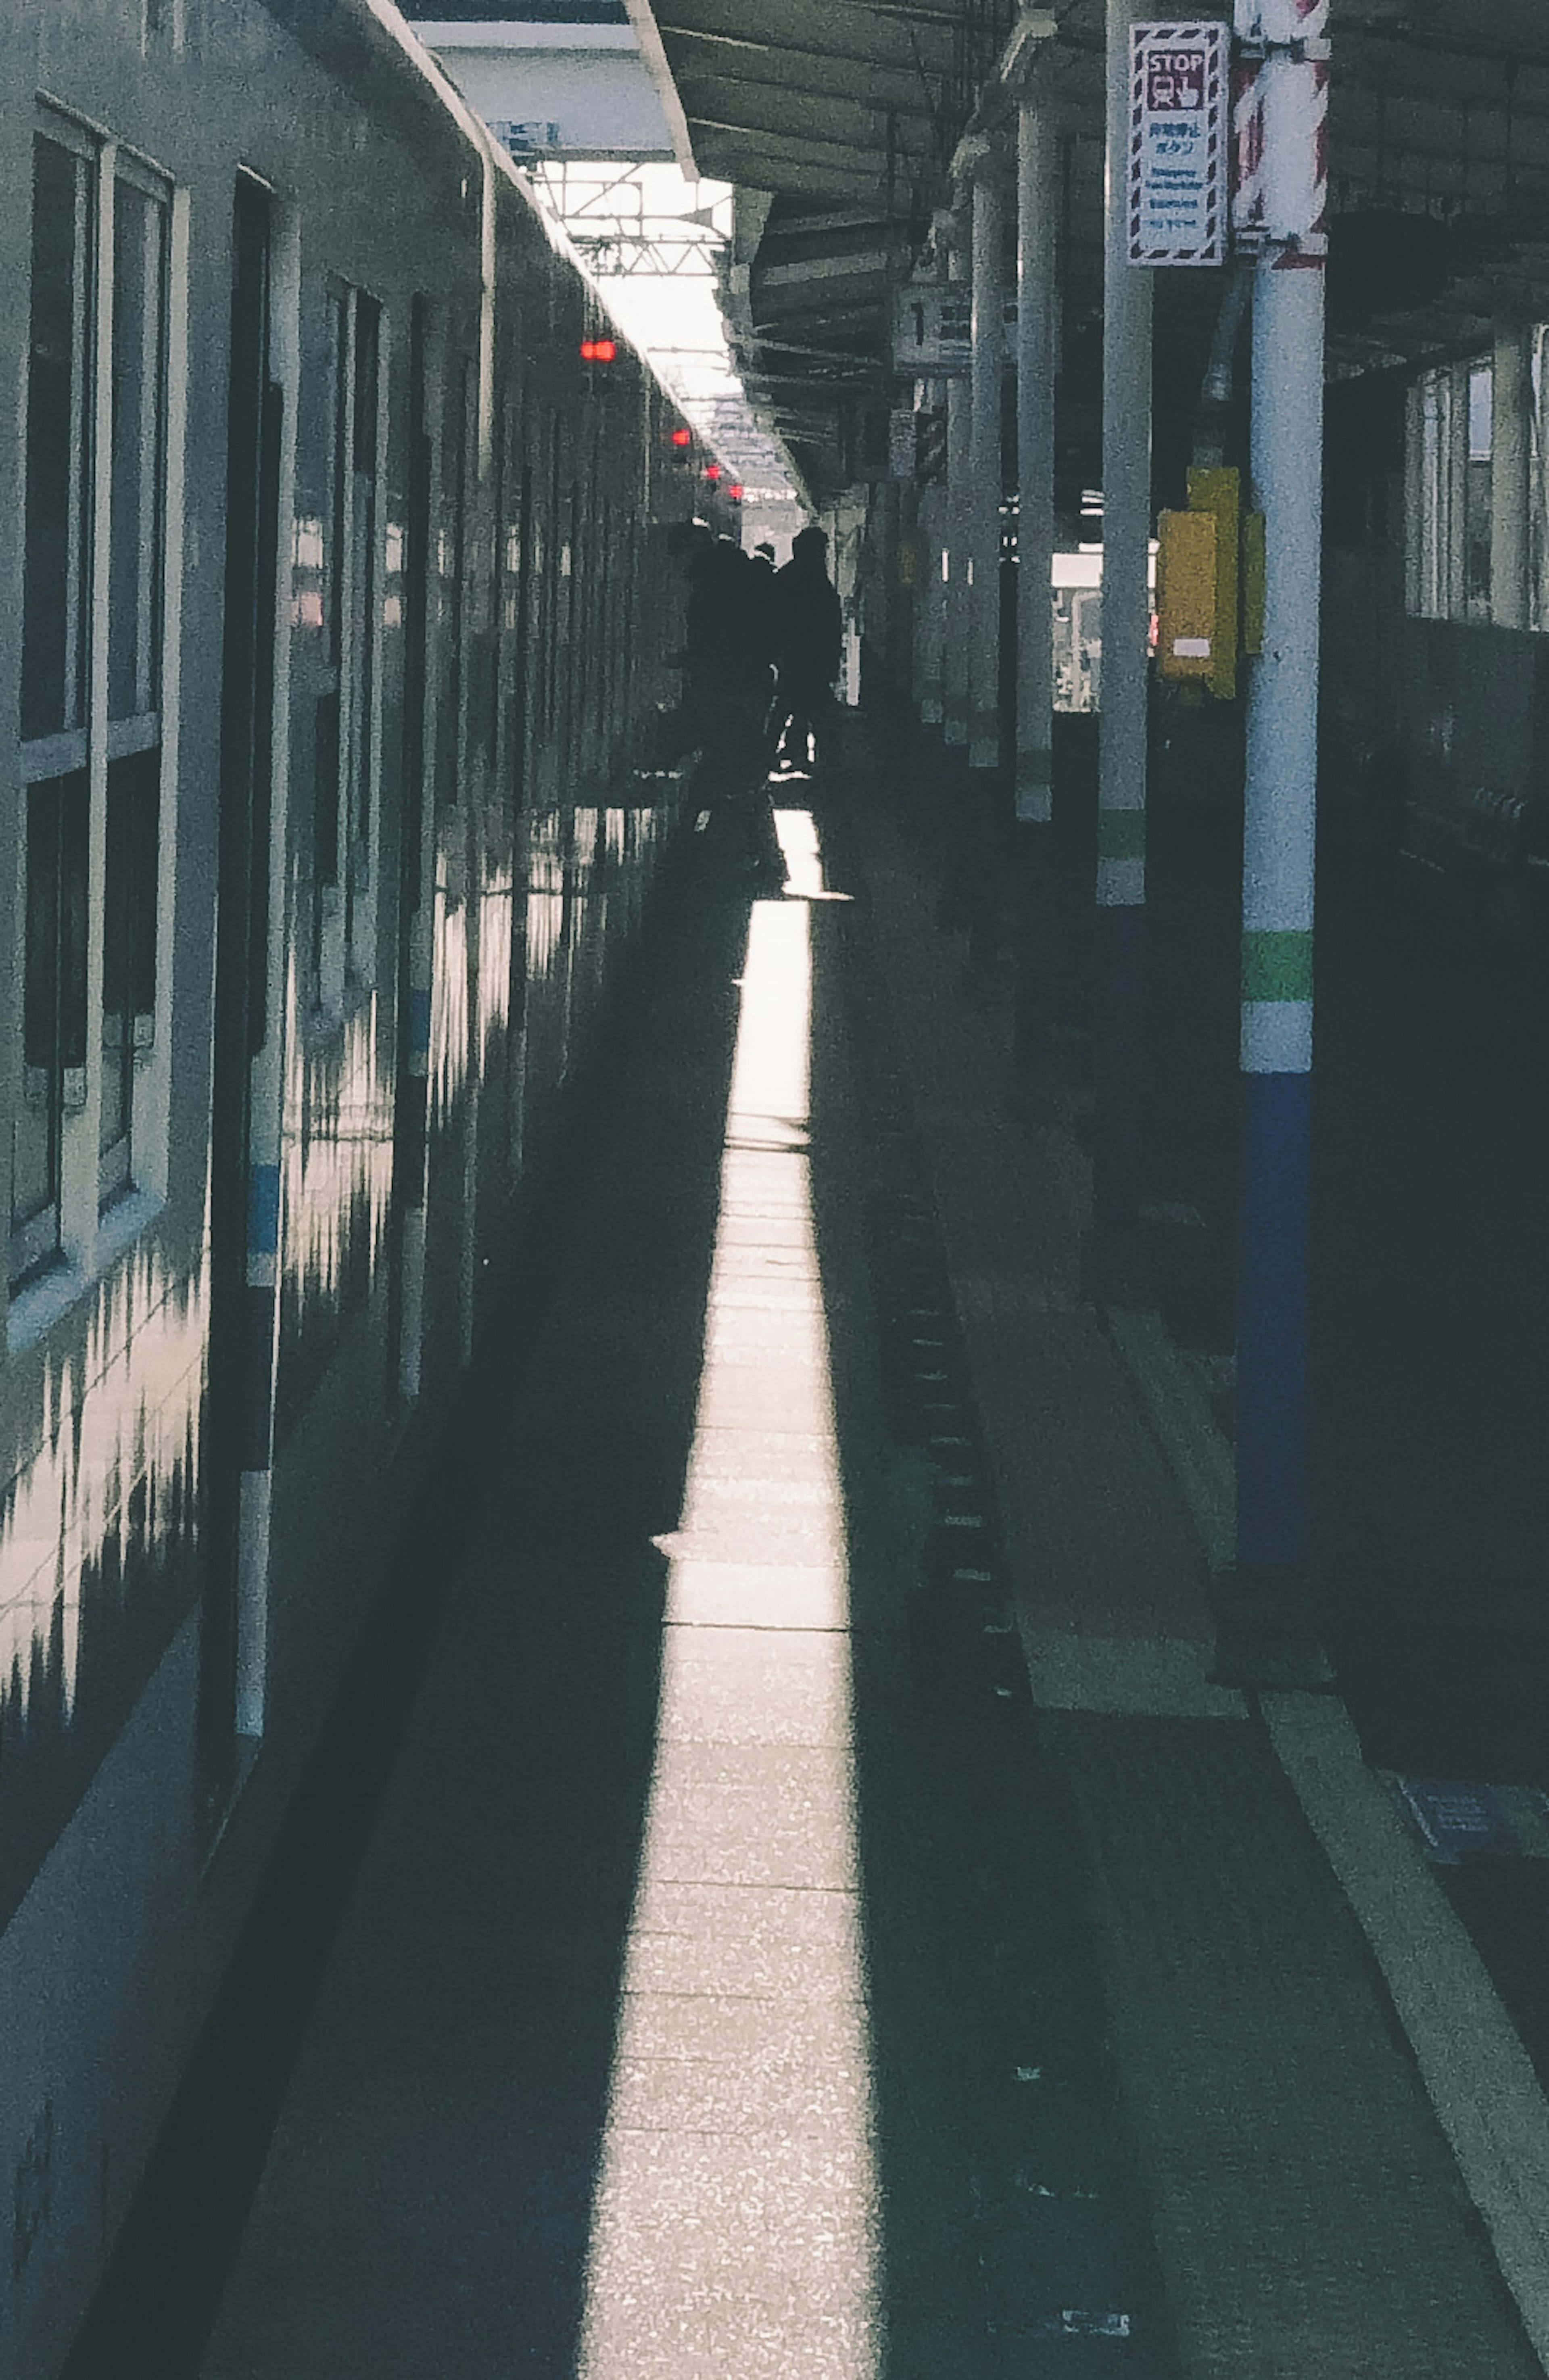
{"x": 1280, "y": 214}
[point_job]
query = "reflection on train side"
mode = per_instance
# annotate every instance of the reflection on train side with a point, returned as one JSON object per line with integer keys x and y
{"x": 98, "y": 1529}
{"x": 337, "y": 1165}
{"x": 97, "y": 1546}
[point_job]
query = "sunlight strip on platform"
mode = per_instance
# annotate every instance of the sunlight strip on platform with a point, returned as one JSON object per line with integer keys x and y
{"x": 735, "y": 2232}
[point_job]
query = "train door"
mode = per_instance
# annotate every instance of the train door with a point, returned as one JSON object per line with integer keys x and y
{"x": 243, "y": 1197}
{"x": 415, "y": 883}
{"x": 468, "y": 827}
{"x": 520, "y": 763}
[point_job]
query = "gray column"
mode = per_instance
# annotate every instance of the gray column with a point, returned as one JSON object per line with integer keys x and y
{"x": 1510, "y": 492}
{"x": 1264, "y": 1636}
{"x": 1034, "y": 465}
{"x": 929, "y": 608}
{"x": 1119, "y": 1023}
{"x": 984, "y": 666}
{"x": 955, "y": 523}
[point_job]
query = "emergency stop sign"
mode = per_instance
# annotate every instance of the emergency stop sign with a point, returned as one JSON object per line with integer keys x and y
{"x": 1179, "y": 149}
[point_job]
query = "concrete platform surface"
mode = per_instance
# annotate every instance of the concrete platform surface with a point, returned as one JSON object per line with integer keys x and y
{"x": 744, "y": 1977}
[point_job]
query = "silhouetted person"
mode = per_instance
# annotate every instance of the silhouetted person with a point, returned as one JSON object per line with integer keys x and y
{"x": 761, "y": 595}
{"x": 808, "y": 636}
{"x": 726, "y": 695}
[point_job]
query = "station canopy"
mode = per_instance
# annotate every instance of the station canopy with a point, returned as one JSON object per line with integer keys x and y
{"x": 837, "y": 120}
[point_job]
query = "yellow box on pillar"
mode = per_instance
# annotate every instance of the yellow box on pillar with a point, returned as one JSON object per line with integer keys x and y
{"x": 1216, "y": 492}
{"x": 1186, "y": 572}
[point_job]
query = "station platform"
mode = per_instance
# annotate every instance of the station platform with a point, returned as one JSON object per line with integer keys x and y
{"x": 819, "y": 1919}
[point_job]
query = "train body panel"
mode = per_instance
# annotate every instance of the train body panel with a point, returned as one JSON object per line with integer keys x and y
{"x": 1435, "y": 731}
{"x": 325, "y": 851}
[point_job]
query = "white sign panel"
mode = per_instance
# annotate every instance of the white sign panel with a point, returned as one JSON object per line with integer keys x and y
{"x": 1179, "y": 149}
{"x": 933, "y": 332}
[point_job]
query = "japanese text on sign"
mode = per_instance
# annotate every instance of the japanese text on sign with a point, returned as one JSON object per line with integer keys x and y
{"x": 1177, "y": 143}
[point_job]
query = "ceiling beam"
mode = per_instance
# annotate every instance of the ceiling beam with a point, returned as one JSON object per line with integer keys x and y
{"x": 820, "y": 70}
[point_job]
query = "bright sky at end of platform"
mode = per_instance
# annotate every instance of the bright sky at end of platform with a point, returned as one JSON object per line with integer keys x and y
{"x": 672, "y": 316}
{"x": 735, "y": 2221}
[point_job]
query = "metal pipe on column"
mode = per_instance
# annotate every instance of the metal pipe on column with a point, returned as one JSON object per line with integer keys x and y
{"x": 1118, "y": 1020}
{"x": 1265, "y": 1636}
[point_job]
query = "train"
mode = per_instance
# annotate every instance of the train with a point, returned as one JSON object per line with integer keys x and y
{"x": 343, "y": 603}
{"x": 1435, "y": 719}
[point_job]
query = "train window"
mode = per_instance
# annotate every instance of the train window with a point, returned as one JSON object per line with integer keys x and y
{"x": 139, "y": 266}
{"x": 518, "y": 620}
{"x": 93, "y": 569}
{"x": 1476, "y": 496}
{"x": 484, "y": 723}
{"x": 557, "y": 562}
{"x": 345, "y": 783}
{"x": 365, "y": 576}
{"x": 1431, "y": 506}
{"x": 59, "y": 414}
{"x": 453, "y": 555}
{"x": 1538, "y": 481}
{"x": 54, "y": 1031}
{"x": 128, "y": 956}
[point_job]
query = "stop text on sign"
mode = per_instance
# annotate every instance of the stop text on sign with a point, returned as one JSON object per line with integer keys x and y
{"x": 1178, "y": 149}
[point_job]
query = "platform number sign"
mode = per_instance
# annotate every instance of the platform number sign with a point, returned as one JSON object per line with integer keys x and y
{"x": 1178, "y": 147}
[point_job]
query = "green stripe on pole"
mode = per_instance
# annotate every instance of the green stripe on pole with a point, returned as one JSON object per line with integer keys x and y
{"x": 1035, "y": 769}
{"x": 1277, "y": 965}
{"x": 1121, "y": 834}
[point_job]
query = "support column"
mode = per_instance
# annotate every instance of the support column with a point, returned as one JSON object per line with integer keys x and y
{"x": 1035, "y": 805}
{"x": 927, "y": 610}
{"x": 1265, "y": 1636}
{"x": 1035, "y": 755}
{"x": 983, "y": 668}
{"x": 1121, "y": 954}
{"x": 1277, "y": 858}
{"x": 984, "y": 823}
{"x": 1510, "y": 492}
{"x": 954, "y": 539}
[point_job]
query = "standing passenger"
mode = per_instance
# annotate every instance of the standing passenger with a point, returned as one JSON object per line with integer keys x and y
{"x": 808, "y": 640}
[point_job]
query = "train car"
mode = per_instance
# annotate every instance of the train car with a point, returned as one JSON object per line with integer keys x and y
{"x": 1436, "y": 660}
{"x": 341, "y": 594}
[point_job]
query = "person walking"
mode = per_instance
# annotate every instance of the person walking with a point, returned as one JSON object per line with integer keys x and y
{"x": 808, "y": 638}
{"x": 728, "y": 690}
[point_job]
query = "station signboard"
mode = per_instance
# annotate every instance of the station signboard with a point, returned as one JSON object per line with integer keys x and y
{"x": 1179, "y": 149}
{"x": 933, "y": 329}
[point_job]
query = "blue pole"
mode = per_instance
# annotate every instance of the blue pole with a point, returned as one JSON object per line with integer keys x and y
{"x": 1277, "y": 863}
{"x": 1267, "y": 1638}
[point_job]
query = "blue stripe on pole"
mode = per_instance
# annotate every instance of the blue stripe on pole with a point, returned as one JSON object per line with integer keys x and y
{"x": 419, "y": 1020}
{"x": 1272, "y": 1321}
